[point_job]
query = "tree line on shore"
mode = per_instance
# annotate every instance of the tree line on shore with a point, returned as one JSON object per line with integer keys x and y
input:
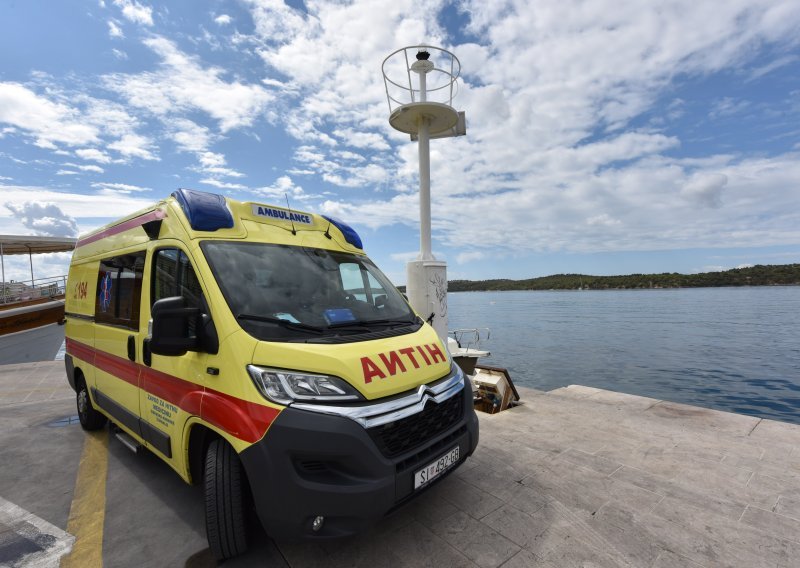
{"x": 759, "y": 275}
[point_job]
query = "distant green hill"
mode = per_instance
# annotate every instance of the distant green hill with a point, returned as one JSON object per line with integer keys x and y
{"x": 759, "y": 275}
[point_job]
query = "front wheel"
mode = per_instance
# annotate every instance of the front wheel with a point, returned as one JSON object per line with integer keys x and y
{"x": 225, "y": 515}
{"x": 90, "y": 418}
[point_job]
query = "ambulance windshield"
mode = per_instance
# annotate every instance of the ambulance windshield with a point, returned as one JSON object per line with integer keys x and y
{"x": 289, "y": 293}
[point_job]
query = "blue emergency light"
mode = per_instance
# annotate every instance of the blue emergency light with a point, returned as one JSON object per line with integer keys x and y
{"x": 205, "y": 211}
{"x": 349, "y": 232}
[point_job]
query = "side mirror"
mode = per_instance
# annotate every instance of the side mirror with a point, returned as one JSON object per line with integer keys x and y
{"x": 380, "y": 301}
{"x": 174, "y": 327}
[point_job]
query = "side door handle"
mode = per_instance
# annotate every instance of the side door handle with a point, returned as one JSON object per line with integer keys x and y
{"x": 131, "y": 348}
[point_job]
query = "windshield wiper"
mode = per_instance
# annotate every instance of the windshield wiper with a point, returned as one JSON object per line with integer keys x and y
{"x": 363, "y": 324}
{"x": 415, "y": 320}
{"x": 282, "y": 322}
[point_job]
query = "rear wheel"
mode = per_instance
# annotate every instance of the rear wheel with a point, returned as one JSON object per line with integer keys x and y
{"x": 90, "y": 418}
{"x": 226, "y": 528}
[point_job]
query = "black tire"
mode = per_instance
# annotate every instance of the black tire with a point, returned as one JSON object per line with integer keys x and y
{"x": 90, "y": 418}
{"x": 226, "y": 527}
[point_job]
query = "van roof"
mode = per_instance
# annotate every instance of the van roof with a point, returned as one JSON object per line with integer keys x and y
{"x": 191, "y": 214}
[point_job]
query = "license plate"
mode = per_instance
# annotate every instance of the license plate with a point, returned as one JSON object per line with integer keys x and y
{"x": 435, "y": 468}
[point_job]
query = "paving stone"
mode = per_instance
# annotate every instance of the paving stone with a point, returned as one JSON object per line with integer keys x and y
{"x": 433, "y": 508}
{"x": 501, "y": 482}
{"x": 663, "y": 461}
{"x": 578, "y": 477}
{"x": 784, "y": 470}
{"x": 772, "y": 523}
{"x": 417, "y": 546}
{"x": 468, "y": 498}
{"x": 519, "y": 527}
{"x": 629, "y": 402}
{"x": 788, "y": 506}
{"x": 575, "y": 391}
{"x": 764, "y": 491}
{"x": 561, "y": 548}
{"x": 624, "y": 532}
{"x": 715, "y": 480}
{"x": 526, "y": 559}
{"x": 668, "y": 559}
{"x": 710, "y": 420}
{"x": 477, "y": 541}
{"x": 591, "y": 461}
{"x": 770, "y": 430}
{"x": 662, "y": 486}
{"x": 718, "y": 540}
{"x": 586, "y": 490}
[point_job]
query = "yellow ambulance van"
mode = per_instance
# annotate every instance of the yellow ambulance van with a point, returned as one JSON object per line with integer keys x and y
{"x": 257, "y": 350}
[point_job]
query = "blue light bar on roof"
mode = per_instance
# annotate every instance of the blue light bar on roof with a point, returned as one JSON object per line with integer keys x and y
{"x": 205, "y": 211}
{"x": 349, "y": 233}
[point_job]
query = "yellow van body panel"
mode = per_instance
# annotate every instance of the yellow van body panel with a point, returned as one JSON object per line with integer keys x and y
{"x": 377, "y": 368}
{"x": 173, "y": 393}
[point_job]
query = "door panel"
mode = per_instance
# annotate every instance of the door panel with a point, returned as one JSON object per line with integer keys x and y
{"x": 172, "y": 386}
{"x": 117, "y": 307}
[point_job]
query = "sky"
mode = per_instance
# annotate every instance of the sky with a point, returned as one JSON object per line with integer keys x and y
{"x": 603, "y": 137}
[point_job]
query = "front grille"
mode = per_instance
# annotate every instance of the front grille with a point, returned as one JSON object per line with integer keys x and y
{"x": 413, "y": 431}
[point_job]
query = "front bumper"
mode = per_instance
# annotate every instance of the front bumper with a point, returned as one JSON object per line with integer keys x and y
{"x": 311, "y": 464}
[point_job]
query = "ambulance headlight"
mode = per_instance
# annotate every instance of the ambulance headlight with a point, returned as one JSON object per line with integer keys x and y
{"x": 285, "y": 387}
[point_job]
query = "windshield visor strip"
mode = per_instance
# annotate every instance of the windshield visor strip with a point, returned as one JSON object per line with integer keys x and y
{"x": 384, "y": 412}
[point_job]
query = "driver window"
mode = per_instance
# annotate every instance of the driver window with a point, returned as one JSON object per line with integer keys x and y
{"x": 173, "y": 275}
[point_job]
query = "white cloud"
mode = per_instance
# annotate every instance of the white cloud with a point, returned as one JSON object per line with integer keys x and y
{"x": 550, "y": 90}
{"x": 88, "y": 210}
{"x": 67, "y": 173}
{"x": 47, "y": 121}
{"x": 135, "y": 146}
{"x": 772, "y": 66}
{"x": 727, "y": 106}
{"x": 135, "y": 12}
{"x": 124, "y": 188}
{"x": 222, "y": 184}
{"x": 183, "y": 84}
{"x": 114, "y": 31}
{"x": 94, "y": 155}
{"x": 52, "y": 265}
{"x": 119, "y": 54}
{"x": 44, "y": 218}
{"x": 603, "y": 220}
{"x": 706, "y": 189}
{"x": 90, "y": 168}
{"x": 356, "y": 139}
{"x": 223, "y": 20}
{"x": 282, "y": 187}
{"x": 471, "y": 256}
{"x": 72, "y": 119}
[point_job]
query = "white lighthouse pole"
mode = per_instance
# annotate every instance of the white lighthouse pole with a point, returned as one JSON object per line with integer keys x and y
{"x": 426, "y": 252}
{"x": 426, "y": 277}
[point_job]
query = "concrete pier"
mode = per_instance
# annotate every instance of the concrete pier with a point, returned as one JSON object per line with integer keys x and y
{"x": 574, "y": 477}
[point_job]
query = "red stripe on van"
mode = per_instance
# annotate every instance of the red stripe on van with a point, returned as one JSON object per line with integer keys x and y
{"x": 124, "y": 369}
{"x": 241, "y": 418}
{"x": 247, "y": 421}
{"x": 129, "y": 224}
{"x": 80, "y": 350}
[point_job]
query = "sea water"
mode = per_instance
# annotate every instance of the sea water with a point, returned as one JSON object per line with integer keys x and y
{"x": 732, "y": 349}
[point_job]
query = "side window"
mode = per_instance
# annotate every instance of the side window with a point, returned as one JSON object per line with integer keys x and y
{"x": 119, "y": 290}
{"x": 173, "y": 275}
